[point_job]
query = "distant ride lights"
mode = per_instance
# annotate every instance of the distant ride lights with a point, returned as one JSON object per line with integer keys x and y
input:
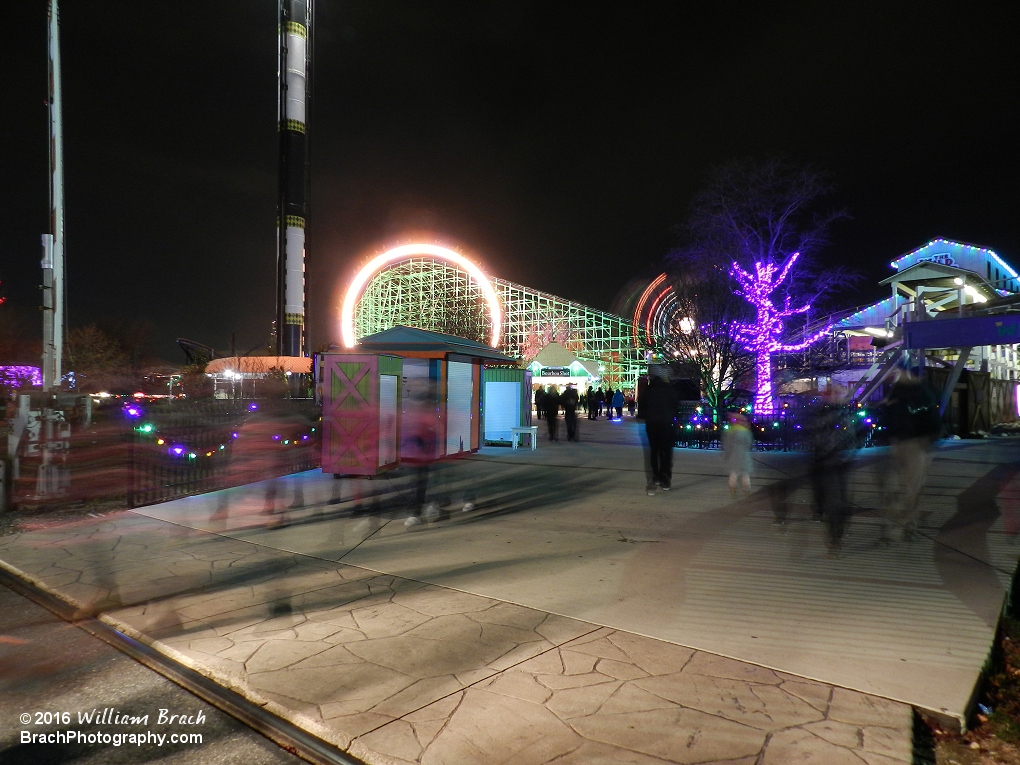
{"x": 404, "y": 252}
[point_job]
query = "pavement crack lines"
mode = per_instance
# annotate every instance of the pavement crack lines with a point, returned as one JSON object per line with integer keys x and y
{"x": 463, "y": 691}
{"x": 764, "y": 702}
{"x": 446, "y": 723}
{"x": 566, "y": 755}
{"x": 764, "y": 748}
{"x": 636, "y": 541}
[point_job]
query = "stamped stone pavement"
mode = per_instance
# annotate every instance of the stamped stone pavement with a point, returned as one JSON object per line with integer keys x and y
{"x": 569, "y": 618}
{"x": 398, "y": 671}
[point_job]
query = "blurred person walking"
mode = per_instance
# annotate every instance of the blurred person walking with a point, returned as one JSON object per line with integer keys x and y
{"x": 568, "y": 399}
{"x": 419, "y": 418}
{"x": 737, "y": 442}
{"x": 1008, "y": 499}
{"x": 270, "y": 434}
{"x": 912, "y": 412}
{"x": 832, "y": 440}
{"x": 551, "y": 405}
{"x": 660, "y": 407}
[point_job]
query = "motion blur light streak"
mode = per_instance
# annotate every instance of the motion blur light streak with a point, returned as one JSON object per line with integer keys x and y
{"x": 640, "y": 307}
{"x": 407, "y": 251}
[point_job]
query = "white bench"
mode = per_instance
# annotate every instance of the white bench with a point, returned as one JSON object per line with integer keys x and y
{"x": 524, "y": 430}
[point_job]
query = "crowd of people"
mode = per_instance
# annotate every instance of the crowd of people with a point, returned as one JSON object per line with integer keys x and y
{"x": 910, "y": 413}
{"x": 594, "y": 402}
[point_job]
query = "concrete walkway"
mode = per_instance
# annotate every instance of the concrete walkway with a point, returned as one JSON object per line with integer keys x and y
{"x": 569, "y": 617}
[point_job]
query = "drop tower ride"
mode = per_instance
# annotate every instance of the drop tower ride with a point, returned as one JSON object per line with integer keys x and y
{"x": 295, "y": 28}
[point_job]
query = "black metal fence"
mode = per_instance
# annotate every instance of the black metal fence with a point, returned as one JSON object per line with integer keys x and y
{"x": 188, "y": 447}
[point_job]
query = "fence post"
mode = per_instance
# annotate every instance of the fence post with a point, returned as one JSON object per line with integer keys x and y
{"x": 4, "y": 485}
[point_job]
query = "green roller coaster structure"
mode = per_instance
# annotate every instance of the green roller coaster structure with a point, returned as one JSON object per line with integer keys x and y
{"x": 439, "y": 296}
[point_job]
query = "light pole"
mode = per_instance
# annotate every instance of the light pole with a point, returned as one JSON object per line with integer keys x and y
{"x": 53, "y": 242}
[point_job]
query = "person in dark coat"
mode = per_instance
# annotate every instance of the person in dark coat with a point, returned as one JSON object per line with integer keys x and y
{"x": 618, "y": 403}
{"x": 832, "y": 435}
{"x": 568, "y": 400}
{"x": 539, "y": 401}
{"x": 551, "y": 407}
{"x": 660, "y": 407}
{"x": 590, "y": 402}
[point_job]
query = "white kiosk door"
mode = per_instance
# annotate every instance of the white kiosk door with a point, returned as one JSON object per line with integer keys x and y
{"x": 502, "y": 409}
{"x": 458, "y": 407}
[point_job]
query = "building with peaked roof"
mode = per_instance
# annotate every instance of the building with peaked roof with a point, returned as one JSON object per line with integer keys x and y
{"x": 555, "y": 365}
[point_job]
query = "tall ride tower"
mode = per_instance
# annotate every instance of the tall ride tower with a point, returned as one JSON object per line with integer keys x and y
{"x": 292, "y": 210}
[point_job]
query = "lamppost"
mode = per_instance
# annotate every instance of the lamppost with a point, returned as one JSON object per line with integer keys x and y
{"x": 53, "y": 242}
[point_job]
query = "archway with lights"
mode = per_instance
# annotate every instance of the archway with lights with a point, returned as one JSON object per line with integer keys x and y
{"x": 425, "y": 286}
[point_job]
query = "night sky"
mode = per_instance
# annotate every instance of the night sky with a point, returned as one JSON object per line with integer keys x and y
{"x": 559, "y": 143}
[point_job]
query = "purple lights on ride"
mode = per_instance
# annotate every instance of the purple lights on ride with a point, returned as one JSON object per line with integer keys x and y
{"x": 762, "y": 337}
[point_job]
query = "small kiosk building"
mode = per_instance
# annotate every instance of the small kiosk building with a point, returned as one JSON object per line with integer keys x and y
{"x": 439, "y": 381}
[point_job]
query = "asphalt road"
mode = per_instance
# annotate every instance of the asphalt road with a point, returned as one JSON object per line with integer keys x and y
{"x": 50, "y": 667}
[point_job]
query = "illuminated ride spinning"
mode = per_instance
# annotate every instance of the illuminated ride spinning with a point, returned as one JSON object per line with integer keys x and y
{"x": 656, "y": 316}
{"x": 435, "y": 288}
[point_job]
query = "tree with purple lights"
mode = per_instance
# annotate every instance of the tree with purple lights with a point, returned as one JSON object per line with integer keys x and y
{"x": 762, "y": 336}
{"x": 755, "y": 224}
